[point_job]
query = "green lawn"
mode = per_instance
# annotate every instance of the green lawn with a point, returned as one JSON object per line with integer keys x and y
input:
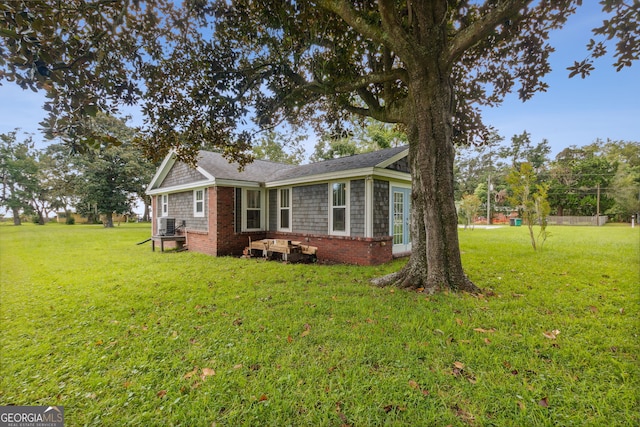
{"x": 119, "y": 335}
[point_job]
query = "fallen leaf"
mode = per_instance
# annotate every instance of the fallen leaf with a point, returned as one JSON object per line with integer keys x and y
{"x": 551, "y": 335}
{"x": 458, "y": 365}
{"x": 305, "y": 333}
{"x": 91, "y": 395}
{"x": 263, "y": 398}
{"x": 414, "y": 385}
{"x": 544, "y": 402}
{"x": 191, "y": 373}
{"x": 126, "y": 384}
{"x": 593, "y": 309}
{"x": 484, "y": 331}
{"x": 289, "y": 339}
{"x": 459, "y": 321}
{"x": 207, "y": 372}
{"x": 238, "y": 366}
{"x": 487, "y": 341}
{"x": 521, "y": 405}
{"x": 161, "y": 393}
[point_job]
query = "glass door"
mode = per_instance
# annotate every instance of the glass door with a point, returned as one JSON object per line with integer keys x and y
{"x": 401, "y": 219}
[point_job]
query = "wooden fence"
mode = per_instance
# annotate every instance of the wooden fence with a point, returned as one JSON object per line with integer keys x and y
{"x": 577, "y": 220}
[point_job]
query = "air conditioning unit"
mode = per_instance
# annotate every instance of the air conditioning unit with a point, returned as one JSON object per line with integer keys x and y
{"x": 166, "y": 226}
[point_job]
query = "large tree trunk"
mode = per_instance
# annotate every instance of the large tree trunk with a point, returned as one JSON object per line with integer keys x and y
{"x": 16, "y": 216}
{"x": 435, "y": 262}
{"x": 108, "y": 222}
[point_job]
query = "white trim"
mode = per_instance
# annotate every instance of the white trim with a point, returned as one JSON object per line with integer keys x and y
{"x": 403, "y": 247}
{"x": 347, "y": 210}
{"x": 162, "y": 171}
{"x": 200, "y": 214}
{"x": 163, "y": 204}
{"x": 368, "y": 206}
{"x": 181, "y": 187}
{"x": 279, "y": 208}
{"x": 351, "y": 174}
{"x": 392, "y": 160}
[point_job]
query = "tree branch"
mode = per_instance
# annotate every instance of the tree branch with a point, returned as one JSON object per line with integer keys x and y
{"x": 481, "y": 28}
{"x": 345, "y": 10}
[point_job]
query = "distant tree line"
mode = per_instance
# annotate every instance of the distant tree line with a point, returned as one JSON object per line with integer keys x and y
{"x": 602, "y": 177}
{"x": 100, "y": 182}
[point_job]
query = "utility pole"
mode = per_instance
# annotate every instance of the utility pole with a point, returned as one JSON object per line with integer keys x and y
{"x": 489, "y": 190}
{"x": 489, "y": 200}
{"x": 598, "y": 205}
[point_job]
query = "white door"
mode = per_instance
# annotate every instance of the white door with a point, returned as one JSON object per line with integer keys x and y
{"x": 401, "y": 219}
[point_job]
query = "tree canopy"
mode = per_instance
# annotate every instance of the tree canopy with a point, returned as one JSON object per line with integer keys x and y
{"x": 217, "y": 71}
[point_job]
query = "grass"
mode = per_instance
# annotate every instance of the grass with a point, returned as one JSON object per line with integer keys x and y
{"x": 119, "y": 335}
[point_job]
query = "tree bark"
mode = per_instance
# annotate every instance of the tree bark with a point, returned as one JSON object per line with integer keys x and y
{"x": 16, "y": 216}
{"x": 435, "y": 263}
{"x": 108, "y": 222}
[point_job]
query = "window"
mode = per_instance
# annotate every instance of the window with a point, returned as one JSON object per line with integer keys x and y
{"x": 164, "y": 205}
{"x": 339, "y": 214}
{"x": 198, "y": 203}
{"x": 284, "y": 209}
{"x": 253, "y": 210}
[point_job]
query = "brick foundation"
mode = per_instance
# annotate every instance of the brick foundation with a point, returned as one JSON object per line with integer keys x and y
{"x": 222, "y": 239}
{"x": 344, "y": 250}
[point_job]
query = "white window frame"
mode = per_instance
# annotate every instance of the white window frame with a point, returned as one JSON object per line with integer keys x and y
{"x": 198, "y": 213}
{"x": 246, "y": 208}
{"x": 283, "y": 208}
{"x": 347, "y": 215}
{"x": 164, "y": 204}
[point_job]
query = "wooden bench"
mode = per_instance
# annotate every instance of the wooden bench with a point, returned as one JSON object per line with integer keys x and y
{"x": 180, "y": 241}
{"x": 281, "y": 246}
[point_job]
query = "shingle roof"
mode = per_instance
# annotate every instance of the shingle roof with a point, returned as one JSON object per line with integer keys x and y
{"x": 357, "y": 161}
{"x": 258, "y": 170}
{"x": 262, "y": 171}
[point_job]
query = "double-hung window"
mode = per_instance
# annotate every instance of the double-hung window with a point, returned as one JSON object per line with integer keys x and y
{"x": 339, "y": 212}
{"x": 253, "y": 209}
{"x": 198, "y": 203}
{"x": 284, "y": 209}
{"x": 164, "y": 205}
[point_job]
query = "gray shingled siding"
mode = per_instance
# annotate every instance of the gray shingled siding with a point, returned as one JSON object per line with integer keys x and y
{"x": 273, "y": 210}
{"x": 181, "y": 208}
{"x": 357, "y": 207}
{"x": 310, "y": 209}
{"x": 401, "y": 165}
{"x": 180, "y": 174}
{"x": 380, "y": 208}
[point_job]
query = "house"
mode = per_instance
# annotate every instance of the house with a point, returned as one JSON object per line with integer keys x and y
{"x": 353, "y": 209}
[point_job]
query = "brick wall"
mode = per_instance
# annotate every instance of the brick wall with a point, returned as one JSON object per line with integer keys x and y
{"x": 201, "y": 240}
{"x": 344, "y": 250}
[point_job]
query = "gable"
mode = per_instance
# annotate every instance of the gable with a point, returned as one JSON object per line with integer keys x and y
{"x": 401, "y": 165}
{"x": 181, "y": 174}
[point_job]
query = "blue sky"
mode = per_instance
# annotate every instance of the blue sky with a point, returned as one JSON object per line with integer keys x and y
{"x": 605, "y": 105}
